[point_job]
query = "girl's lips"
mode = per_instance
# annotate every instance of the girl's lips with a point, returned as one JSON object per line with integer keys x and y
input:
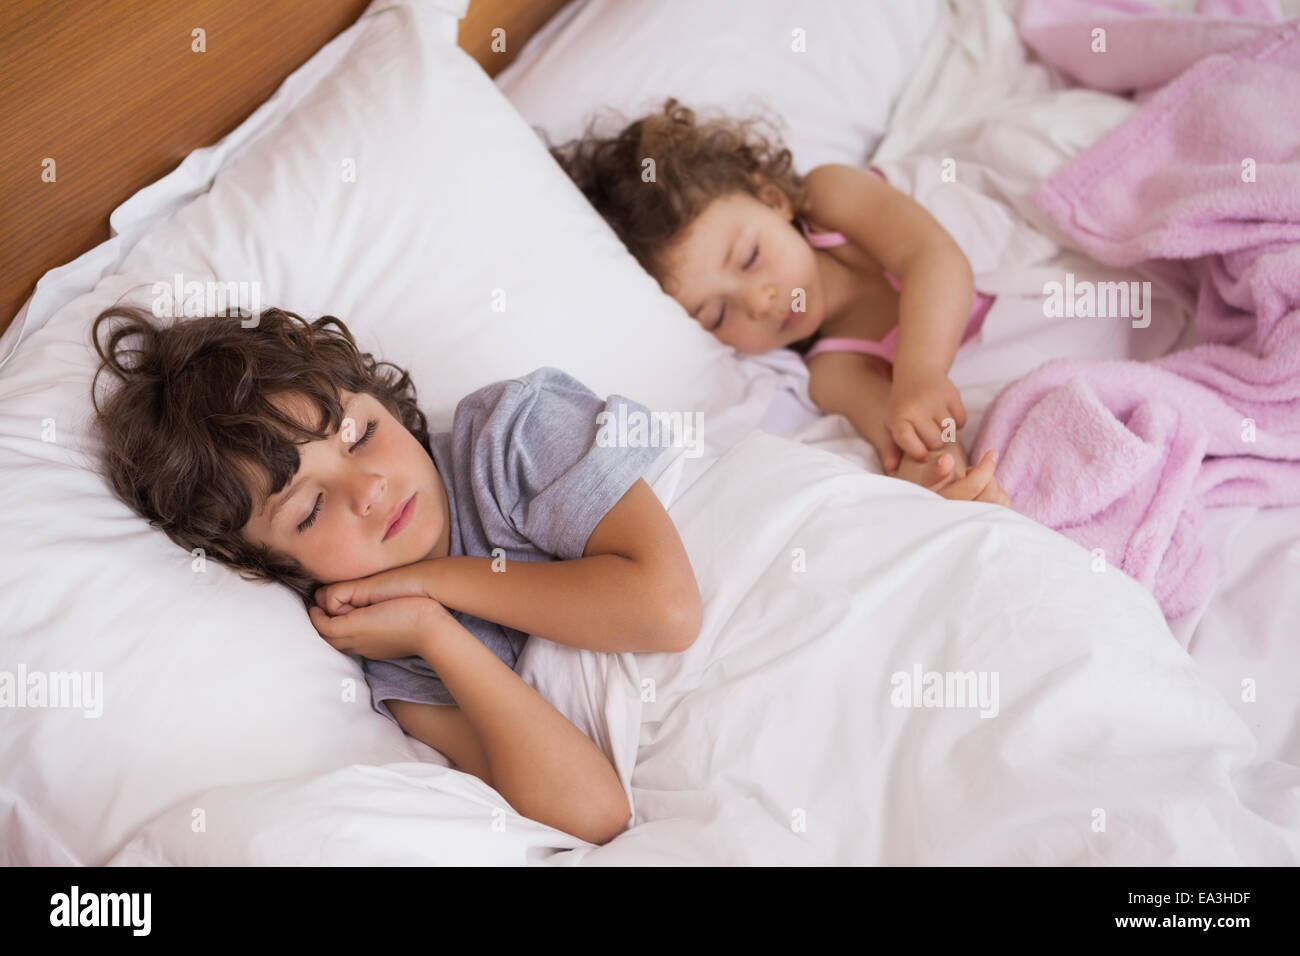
{"x": 403, "y": 517}
{"x": 790, "y": 320}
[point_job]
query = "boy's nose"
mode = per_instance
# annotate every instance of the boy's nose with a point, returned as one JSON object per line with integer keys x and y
{"x": 370, "y": 491}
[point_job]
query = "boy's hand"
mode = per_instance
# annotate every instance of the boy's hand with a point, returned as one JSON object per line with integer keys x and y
{"x": 399, "y": 627}
{"x": 411, "y": 580}
{"x": 918, "y": 406}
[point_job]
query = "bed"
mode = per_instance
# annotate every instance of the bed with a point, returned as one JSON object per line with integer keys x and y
{"x": 795, "y": 730}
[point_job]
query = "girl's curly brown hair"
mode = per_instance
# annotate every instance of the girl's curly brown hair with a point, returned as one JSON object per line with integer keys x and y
{"x": 695, "y": 162}
{"x": 191, "y": 435}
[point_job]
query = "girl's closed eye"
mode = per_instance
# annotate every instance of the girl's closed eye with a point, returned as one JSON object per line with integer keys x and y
{"x": 723, "y": 314}
{"x": 315, "y": 511}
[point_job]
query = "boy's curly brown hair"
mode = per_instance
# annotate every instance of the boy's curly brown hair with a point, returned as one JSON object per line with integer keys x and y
{"x": 696, "y": 161}
{"x": 191, "y": 435}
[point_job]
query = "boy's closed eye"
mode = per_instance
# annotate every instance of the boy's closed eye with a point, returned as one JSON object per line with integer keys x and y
{"x": 316, "y": 509}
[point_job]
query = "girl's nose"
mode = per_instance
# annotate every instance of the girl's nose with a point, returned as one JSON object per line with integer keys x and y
{"x": 759, "y": 302}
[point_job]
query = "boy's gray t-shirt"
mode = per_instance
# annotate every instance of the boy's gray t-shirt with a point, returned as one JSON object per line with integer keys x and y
{"x": 524, "y": 472}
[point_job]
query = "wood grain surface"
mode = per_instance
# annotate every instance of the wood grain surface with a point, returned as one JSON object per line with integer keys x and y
{"x": 115, "y": 94}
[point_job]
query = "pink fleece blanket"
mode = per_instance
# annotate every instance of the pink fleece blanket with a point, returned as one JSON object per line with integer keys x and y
{"x": 1200, "y": 187}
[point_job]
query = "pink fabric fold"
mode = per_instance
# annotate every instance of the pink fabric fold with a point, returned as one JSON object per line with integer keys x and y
{"x": 1124, "y": 456}
{"x": 1140, "y": 45}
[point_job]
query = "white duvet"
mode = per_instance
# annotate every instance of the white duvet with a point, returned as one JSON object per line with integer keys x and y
{"x": 786, "y": 733}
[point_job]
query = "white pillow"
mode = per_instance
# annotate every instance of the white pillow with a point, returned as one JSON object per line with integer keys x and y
{"x": 209, "y": 680}
{"x": 830, "y": 69}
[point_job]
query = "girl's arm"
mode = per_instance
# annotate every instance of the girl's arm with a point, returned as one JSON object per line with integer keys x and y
{"x": 938, "y": 286}
{"x": 853, "y": 385}
{"x": 933, "y": 310}
{"x": 632, "y": 590}
{"x": 535, "y": 757}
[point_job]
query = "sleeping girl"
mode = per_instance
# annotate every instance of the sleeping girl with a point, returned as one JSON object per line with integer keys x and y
{"x": 287, "y": 454}
{"x": 836, "y": 265}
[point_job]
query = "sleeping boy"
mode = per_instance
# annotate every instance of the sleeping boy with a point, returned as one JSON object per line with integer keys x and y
{"x": 290, "y": 456}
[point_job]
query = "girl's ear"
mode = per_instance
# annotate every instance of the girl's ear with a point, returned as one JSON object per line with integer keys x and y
{"x": 774, "y": 196}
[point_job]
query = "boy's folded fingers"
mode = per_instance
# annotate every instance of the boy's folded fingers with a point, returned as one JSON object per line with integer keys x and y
{"x": 339, "y": 631}
{"x": 325, "y": 625}
{"x": 345, "y": 596}
{"x": 333, "y": 597}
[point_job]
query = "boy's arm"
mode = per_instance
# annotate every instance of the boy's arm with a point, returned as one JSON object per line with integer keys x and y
{"x": 536, "y": 758}
{"x": 632, "y": 590}
{"x": 446, "y": 729}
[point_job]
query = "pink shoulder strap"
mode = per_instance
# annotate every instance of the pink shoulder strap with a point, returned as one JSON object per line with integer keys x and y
{"x": 886, "y": 348}
{"x": 821, "y": 240}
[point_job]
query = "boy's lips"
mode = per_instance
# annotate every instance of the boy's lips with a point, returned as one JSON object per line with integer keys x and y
{"x": 402, "y": 518}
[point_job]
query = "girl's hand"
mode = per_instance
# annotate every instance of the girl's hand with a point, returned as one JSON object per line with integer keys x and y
{"x": 940, "y": 469}
{"x": 879, "y": 438}
{"x": 399, "y": 627}
{"x": 412, "y": 580}
{"x": 917, "y": 409}
{"x": 978, "y": 484}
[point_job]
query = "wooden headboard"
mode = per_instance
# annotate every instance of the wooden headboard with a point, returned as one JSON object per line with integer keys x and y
{"x": 115, "y": 96}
